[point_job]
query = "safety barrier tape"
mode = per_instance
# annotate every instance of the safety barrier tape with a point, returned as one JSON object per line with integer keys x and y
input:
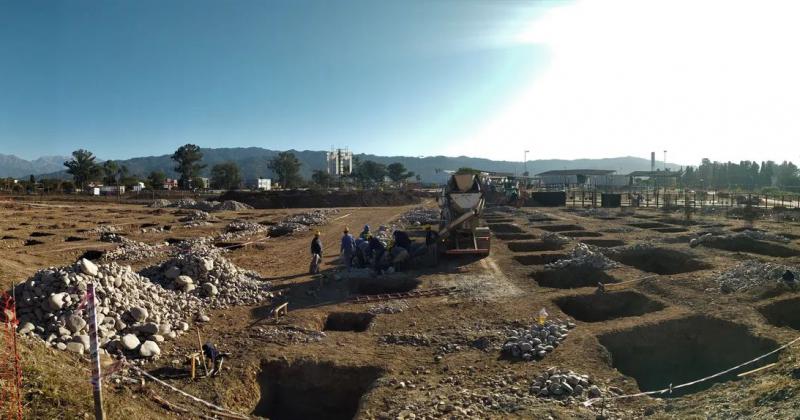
{"x": 671, "y": 388}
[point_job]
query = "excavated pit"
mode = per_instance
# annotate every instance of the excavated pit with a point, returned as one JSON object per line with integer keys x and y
{"x": 348, "y": 321}
{"x": 784, "y": 313}
{"x": 8, "y": 237}
{"x": 597, "y": 307}
{"x": 649, "y": 225}
{"x": 514, "y": 236}
{"x": 505, "y": 228}
{"x": 306, "y": 389}
{"x": 788, "y": 235}
{"x": 539, "y": 259}
{"x": 40, "y": 234}
{"x": 74, "y": 239}
{"x": 533, "y": 246}
{"x": 559, "y": 228}
{"x": 572, "y": 277}
{"x": 603, "y": 243}
{"x": 750, "y": 245}
{"x": 659, "y": 260}
{"x": 541, "y": 219}
{"x": 682, "y": 350}
{"x": 384, "y": 284}
{"x": 92, "y": 255}
{"x": 670, "y": 230}
{"x": 744, "y": 228}
{"x": 582, "y": 234}
{"x": 30, "y": 242}
{"x": 499, "y": 220}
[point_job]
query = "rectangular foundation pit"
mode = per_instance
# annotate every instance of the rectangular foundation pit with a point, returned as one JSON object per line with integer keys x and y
{"x": 572, "y": 277}
{"x": 539, "y": 259}
{"x": 559, "y": 228}
{"x": 505, "y": 228}
{"x": 683, "y": 350}
{"x": 598, "y": 307}
{"x": 307, "y": 389}
{"x": 348, "y": 321}
{"x": 581, "y": 234}
{"x": 533, "y": 246}
{"x": 662, "y": 261}
{"x": 783, "y": 313}
{"x": 603, "y": 243}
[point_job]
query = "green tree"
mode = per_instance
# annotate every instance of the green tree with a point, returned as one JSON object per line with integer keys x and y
{"x": 286, "y": 168}
{"x": 156, "y": 180}
{"x": 82, "y": 167}
{"x": 187, "y": 158}
{"x": 225, "y": 176}
{"x": 397, "y": 172}
{"x": 371, "y": 171}
{"x": 321, "y": 178}
{"x": 110, "y": 172}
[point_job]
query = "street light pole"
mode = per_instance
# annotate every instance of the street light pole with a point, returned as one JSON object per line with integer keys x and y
{"x": 665, "y": 160}
{"x": 525, "y": 160}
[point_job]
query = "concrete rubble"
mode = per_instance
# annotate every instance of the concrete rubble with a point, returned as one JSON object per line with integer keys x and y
{"x": 388, "y": 307}
{"x": 208, "y": 206}
{"x": 552, "y": 238}
{"x": 129, "y": 249}
{"x": 420, "y": 216}
{"x": 584, "y": 256}
{"x": 752, "y": 274}
{"x": 537, "y": 340}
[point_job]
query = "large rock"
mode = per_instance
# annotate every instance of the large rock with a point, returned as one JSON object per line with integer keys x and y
{"x": 84, "y": 340}
{"x": 26, "y": 327}
{"x": 150, "y": 328}
{"x": 56, "y": 301}
{"x": 130, "y": 342}
{"x": 75, "y": 347}
{"x": 182, "y": 281}
{"x": 149, "y": 349}
{"x": 75, "y": 323}
{"x": 209, "y": 289}
{"x": 138, "y": 313}
{"x": 88, "y": 267}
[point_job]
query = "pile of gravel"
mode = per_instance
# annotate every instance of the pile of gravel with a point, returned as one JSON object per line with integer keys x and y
{"x": 188, "y": 203}
{"x": 535, "y": 342}
{"x": 752, "y": 274}
{"x": 205, "y": 273}
{"x": 420, "y": 216}
{"x": 561, "y": 383}
{"x": 388, "y": 307}
{"x": 133, "y": 313}
{"x": 246, "y": 226}
{"x": 160, "y": 203}
{"x": 104, "y": 229}
{"x": 312, "y": 218}
{"x": 129, "y": 249}
{"x": 552, "y": 238}
{"x": 231, "y": 205}
{"x": 584, "y": 256}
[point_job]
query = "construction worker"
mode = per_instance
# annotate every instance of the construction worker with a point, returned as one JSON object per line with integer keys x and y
{"x": 365, "y": 233}
{"x": 348, "y": 248}
{"x": 402, "y": 240}
{"x": 431, "y": 244}
{"x": 215, "y": 356}
{"x": 316, "y": 254}
{"x": 376, "y": 248}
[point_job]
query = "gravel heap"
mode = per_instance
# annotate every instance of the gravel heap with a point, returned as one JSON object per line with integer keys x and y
{"x": 552, "y": 238}
{"x": 388, "y": 307}
{"x": 160, "y": 203}
{"x": 207, "y": 274}
{"x": 104, "y": 229}
{"x": 133, "y": 313}
{"x": 420, "y": 216}
{"x": 312, "y": 218}
{"x": 535, "y": 342}
{"x": 584, "y": 256}
{"x": 559, "y": 384}
{"x": 193, "y": 215}
{"x": 287, "y": 228}
{"x": 752, "y": 274}
{"x": 129, "y": 249}
{"x": 744, "y": 235}
{"x": 231, "y": 205}
{"x": 594, "y": 212}
{"x": 246, "y": 226}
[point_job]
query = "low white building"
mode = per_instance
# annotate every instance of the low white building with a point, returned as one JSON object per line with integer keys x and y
{"x": 261, "y": 184}
{"x": 138, "y": 187}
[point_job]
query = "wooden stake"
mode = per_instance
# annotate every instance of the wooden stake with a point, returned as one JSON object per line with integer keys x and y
{"x": 743, "y": 374}
{"x": 202, "y": 355}
{"x": 97, "y": 385}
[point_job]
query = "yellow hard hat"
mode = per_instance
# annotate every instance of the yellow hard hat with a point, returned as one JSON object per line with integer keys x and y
{"x": 316, "y": 233}
{"x": 346, "y": 229}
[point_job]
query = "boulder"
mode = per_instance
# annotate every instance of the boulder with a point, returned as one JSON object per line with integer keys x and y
{"x": 75, "y": 323}
{"x": 172, "y": 272}
{"x": 209, "y": 289}
{"x": 75, "y": 347}
{"x": 26, "y": 327}
{"x": 150, "y": 328}
{"x": 56, "y": 301}
{"x": 149, "y": 349}
{"x": 88, "y": 267}
{"x": 130, "y": 342}
{"x": 182, "y": 281}
{"x": 138, "y": 313}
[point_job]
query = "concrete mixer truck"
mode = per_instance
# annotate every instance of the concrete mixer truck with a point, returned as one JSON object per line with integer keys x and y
{"x": 462, "y": 203}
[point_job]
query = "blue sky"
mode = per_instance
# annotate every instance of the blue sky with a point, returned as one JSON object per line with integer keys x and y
{"x": 134, "y": 78}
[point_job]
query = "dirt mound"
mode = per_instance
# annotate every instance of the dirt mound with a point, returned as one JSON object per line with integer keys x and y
{"x": 321, "y": 199}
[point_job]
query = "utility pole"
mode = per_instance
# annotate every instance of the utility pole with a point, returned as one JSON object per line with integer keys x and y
{"x": 665, "y": 160}
{"x": 525, "y": 163}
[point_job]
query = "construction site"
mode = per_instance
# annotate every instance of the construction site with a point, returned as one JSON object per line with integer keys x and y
{"x": 511, "y": 312}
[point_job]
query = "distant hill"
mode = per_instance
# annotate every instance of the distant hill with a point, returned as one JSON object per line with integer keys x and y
{"x": 12, "y": 166}
{"x": 252, "y": 162}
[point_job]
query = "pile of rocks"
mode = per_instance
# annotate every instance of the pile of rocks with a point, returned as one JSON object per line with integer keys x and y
{"x": 420, "y": 216}
{"x": 205, "y": 273}
{"x": 244, "y": 226}
{"x": 133, "y": 313}
{"x": 583, "y": 256}
{"x": 287, "y": 228}
{"x": 752, "y": 274}
{"x": 388, "y": 307}
{"x": 415, "y": 340}
{"x": 188, "y": 203}
{"x": 552, "y": 238}
{"x": 129, "y": 249}
{"x": 559, "y": 383}
{"x": 160, "y": 203}
{"x": 232, "y": 205}
{"x": 105, "y": 229}
{"x": 744, "y": 235}
{"x": 312, "y": 218}
{"x": 594, "y": 212}
{"x": 538, "y": 340}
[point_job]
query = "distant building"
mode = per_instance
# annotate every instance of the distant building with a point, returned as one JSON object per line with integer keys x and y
{"x": 205, "y": 183}
{"x": 262, "y": 184}
{"x": 112, "y": 190}
{"x": 581, "y": 178}
{"x": 170, "y": 183}
{"x": 138, "y": 187}
{"x": 340, "y": 162}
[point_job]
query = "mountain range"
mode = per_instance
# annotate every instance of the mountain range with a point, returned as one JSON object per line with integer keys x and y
{"x": 252, "y": 163}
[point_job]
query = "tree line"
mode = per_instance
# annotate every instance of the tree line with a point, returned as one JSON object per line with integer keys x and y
{"x": 745, "y": 175}
{"x": 285, "y": 166}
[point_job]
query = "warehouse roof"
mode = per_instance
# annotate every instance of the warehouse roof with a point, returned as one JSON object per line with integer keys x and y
{"x": 664, "y": 174}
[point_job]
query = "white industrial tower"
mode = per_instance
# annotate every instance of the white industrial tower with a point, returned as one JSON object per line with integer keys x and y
{"x": 340, "y": 162}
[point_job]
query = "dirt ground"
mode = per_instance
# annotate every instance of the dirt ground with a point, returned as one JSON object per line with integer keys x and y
{"x": 439, "y": 351}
